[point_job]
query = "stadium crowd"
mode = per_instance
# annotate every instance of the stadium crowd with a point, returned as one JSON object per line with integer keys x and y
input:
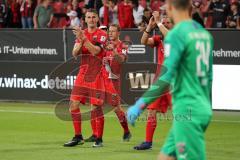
{"x": 126, "y": 13}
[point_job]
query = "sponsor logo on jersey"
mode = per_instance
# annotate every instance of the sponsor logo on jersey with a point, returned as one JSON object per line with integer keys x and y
{"x": 103, "y": 39}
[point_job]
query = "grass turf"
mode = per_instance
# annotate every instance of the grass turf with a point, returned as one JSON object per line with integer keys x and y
{"x": 32, "y": 131}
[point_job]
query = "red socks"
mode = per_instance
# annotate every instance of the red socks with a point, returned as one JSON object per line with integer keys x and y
{"x": 97, "y": 121}
{"x": 123, "y": 121}
{"x": 93, "y": 122}
{"x": 76, "y": 118}
{"x": 150, "y": 128}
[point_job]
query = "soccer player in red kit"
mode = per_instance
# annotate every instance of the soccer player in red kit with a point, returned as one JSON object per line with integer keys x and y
{"x": 160, "y": 105}
{"x": 89, "y": 84}
{"x": 116, "y": 54}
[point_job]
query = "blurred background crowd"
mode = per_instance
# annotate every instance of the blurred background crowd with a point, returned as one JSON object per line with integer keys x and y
{"x": 126, "y": 13}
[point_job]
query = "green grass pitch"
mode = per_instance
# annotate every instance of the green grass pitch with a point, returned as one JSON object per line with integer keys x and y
{"x": 33, "y": 132}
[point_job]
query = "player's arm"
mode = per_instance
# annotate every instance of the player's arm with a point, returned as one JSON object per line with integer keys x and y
{"x": 173, "y": 50}
{"x": 162, "y": 29}
{"x": 145, "y": 37}
{"x": 76, "y": 49}
{"x": 93, "y": 49}
{"x": 50, "y": 21}
{"x": 119, "y": 57}
{"x": 157, "y": 20}
{"x": 153, "y": 21}
{"x": 173, "y": 53}
{"x": 35, "y": 18}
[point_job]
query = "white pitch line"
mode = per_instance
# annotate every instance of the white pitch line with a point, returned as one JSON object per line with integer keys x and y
{"x": 32, "y": 112}
{"x": 218, "y": 120}
{"x": 111, "y": 116}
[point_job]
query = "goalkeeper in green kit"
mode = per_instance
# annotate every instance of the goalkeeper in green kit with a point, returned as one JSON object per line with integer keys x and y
{"x": 188, "y": 62}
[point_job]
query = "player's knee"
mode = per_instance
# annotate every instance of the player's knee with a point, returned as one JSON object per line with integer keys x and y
{"x": 97, "y": 109}
{"x": 73, "y": 105}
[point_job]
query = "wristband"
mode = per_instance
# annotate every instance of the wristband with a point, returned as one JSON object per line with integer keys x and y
{"x": 160, "y": 24}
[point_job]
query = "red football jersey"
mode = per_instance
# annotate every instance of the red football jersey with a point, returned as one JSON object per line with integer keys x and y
{"x": 89, "y": 64}
{"x": 114, "y": 64}
{"x": 161, "y": 104}
{"x": 160, "y": 51}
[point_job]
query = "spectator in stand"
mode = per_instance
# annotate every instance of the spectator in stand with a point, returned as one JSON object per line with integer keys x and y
{"x": 75, "y": 5}
{"x": 16, "y": 15}
{"x": 103, "y": 9}
{"x": 156, "y": 4}
{"x": 68, "y": 6}
{"x": 39, "y": 2}
{"x": 108, "y": 13}
{"x": 82, "y": 20}
{"x": 74, "y": 20}
{"x": 27, "y": 10}
{"x": 145, "y": 19}
{"x": 43, "y": 15}
{"x": 113, "y": 15}
{"x": 3, "y": 13}
{"x": 196, "y": 13}
{"x": 8, "y": 20}
{"x": 125, "y": 14}
{"x": 147, "y": 14}
{"x": 219, "y": 9}
{"x": 143, "y": 3}
{"x": 207, "y": 17}
{"x": 137, "y": 12}
{"x": 59, "y": 16}
{"x": 95, "y": 4}
{"x": 233, "y": 20}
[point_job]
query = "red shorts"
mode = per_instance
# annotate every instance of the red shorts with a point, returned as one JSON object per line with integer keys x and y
{"x": 161, "y": 104}
{"x": 91, "y": 91}
{"x": 113, "y": 92}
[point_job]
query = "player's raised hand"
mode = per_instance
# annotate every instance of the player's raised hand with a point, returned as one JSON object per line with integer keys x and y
{"x": 109, "y": 46}
{"x": 78, "y": 32}
{"x": 135, "y": 111}
{"x": 151, "y": 23}
{"x": 156, "y": 16}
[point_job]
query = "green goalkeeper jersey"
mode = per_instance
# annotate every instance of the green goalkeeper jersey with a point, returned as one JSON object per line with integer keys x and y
{"x": 188, "y": 62}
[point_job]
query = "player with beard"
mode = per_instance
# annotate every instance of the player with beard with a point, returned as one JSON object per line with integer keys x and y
{"x": 89, "y": 84}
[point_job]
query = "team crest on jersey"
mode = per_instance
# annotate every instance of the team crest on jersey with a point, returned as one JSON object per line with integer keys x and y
{"x": 98, "y": 95}
{"x": 94, "y": 38}
{"x": 181, "y": 147}
{"x": 124, "y": 51}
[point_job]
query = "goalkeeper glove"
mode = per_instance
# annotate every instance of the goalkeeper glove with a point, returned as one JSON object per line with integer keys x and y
{"x": 134, "y": 111}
